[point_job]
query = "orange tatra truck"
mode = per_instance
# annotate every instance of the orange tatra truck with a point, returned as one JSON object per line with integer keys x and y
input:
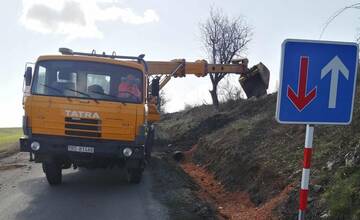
{"x": 96, "y": 110}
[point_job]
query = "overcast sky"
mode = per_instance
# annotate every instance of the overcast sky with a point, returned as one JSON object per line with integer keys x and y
{"x": 163, "y": 30}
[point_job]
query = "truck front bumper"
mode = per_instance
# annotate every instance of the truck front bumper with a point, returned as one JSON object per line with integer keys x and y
{"x": 59, "y": 146}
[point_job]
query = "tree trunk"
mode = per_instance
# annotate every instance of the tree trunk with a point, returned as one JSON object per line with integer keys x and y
{"x": 214, "y": 97}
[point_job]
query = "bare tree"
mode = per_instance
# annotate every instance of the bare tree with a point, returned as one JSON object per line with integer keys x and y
{"x": 228, "y": 91}
{"x": 224, "y": 38}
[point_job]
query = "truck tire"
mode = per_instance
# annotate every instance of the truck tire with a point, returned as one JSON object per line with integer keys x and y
{"x": 134, "y": 175}
{"x": 53, "y": 172}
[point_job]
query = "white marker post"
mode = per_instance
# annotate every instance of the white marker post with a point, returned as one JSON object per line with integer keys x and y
{"x": 304, "y": 191}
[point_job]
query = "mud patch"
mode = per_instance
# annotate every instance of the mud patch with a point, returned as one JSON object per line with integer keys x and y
{"x": 11, "y": 166}
{"x": 7, "y": 150}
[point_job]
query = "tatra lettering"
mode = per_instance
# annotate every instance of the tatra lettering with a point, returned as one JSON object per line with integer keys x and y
{"x": 81, "y": 114}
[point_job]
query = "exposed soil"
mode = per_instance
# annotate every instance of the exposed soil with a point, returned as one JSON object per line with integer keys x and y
{"x": 230, "y": 205}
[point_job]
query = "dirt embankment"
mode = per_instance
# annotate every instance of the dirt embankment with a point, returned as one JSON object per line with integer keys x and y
{"x": 247, "y": 151}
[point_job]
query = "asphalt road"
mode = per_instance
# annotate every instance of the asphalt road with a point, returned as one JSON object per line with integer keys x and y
{"x": 84, "y": 194}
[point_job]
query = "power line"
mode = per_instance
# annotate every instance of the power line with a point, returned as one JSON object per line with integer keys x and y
{"x": 336, "y": 14}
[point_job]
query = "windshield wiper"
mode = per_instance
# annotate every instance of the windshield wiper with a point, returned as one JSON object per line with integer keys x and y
{"x": 82, "y": 93}
{"x": 53, "y": 88}
{"x": 112, "y": 96}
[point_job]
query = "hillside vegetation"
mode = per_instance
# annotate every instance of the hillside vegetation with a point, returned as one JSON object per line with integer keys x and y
{"x": 247, "y": 150}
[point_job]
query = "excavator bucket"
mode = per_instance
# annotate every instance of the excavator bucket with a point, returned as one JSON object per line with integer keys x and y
{"x": 256, "y": 81}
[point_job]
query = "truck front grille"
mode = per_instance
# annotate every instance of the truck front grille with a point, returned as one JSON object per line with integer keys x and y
{"x": 82, "y": 127}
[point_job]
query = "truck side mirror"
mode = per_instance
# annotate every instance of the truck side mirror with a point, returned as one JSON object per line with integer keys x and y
{"x": 155, "y": 86}
{"x": 28, "y": 76}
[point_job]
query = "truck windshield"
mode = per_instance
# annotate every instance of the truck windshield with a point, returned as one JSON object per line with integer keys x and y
{"x": 91, "y": 80}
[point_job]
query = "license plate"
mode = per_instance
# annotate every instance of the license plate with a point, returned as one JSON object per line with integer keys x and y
{"x": 81, "y": 149}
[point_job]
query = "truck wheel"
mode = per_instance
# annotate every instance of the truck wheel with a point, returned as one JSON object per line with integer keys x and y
{"x": 134, "y": 175}
{"x": 53, "y": 172}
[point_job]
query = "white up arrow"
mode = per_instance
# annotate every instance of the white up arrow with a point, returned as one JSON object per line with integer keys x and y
{"x": 335, "y": 66}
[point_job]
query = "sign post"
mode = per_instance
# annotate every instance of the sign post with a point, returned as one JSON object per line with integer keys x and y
{"x": 304, "y": 191}
{"x": 317, "y": 86}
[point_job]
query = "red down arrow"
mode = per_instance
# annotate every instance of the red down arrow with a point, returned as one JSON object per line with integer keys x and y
{"x": 301, "y": 99}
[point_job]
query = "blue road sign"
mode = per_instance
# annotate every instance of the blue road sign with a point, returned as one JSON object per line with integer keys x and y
{"x": 317, "y": 82}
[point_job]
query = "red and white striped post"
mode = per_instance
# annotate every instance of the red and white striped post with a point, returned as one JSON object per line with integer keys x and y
{"x": 304, "y": 191}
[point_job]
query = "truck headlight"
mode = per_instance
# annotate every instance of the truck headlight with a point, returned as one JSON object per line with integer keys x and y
{"x": 35, "y": 146}
{"x": 127, "y": 152}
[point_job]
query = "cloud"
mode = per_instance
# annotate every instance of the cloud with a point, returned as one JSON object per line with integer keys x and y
{"x": 78, "y": 18}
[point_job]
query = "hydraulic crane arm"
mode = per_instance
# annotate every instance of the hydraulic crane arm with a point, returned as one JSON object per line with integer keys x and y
{"x": 180, "y": 68}
{"x": 200, "y": 68}
{"x": 254, "y": 81}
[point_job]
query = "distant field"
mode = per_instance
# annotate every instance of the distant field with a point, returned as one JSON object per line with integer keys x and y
{"x": 9, "y": 138}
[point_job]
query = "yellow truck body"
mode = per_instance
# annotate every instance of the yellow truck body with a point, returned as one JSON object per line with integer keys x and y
{"x": 97, "y": 111}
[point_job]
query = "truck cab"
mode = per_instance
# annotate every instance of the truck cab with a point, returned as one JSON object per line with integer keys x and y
{"x": 87, "y": 110}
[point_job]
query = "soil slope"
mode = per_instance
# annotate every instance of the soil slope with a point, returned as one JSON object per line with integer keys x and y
{"x": 246, "y": 150}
